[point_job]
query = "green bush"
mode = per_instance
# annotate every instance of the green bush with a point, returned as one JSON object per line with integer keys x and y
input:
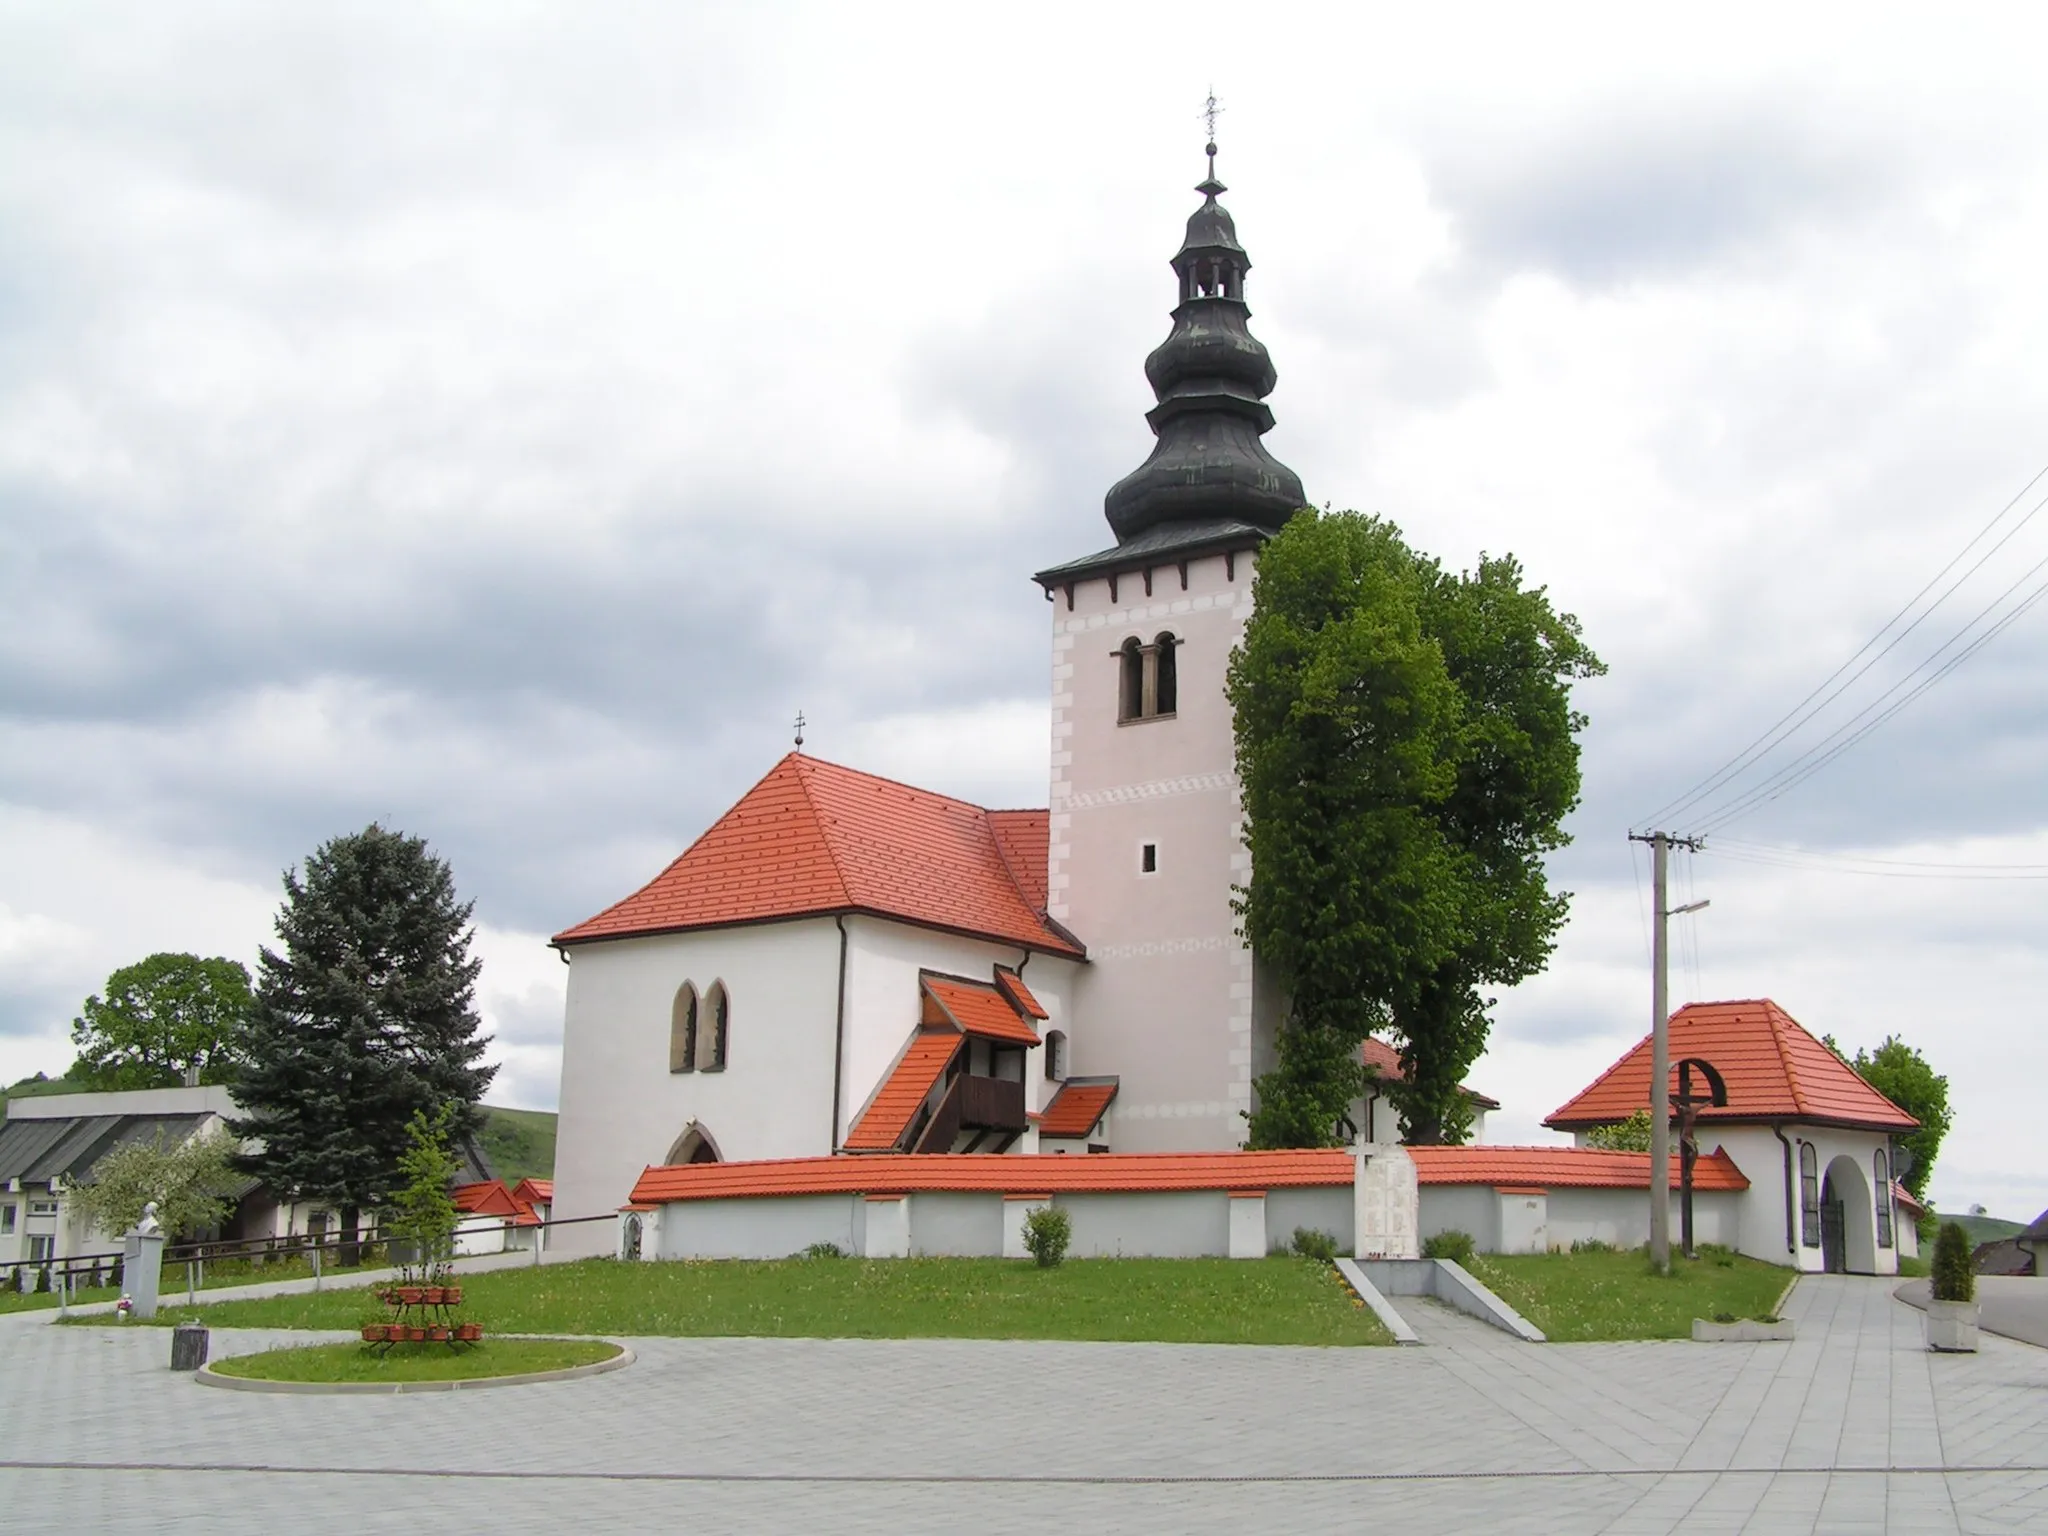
{"x": 1592, "y": 1245}
{"x": 823, "y": 1251}
{"x": 1955, "y": 1277}
{"x": 1311, "y": 1244}
{"x": 1453, "y": 1245}
{"x": 1047, "y": 1231}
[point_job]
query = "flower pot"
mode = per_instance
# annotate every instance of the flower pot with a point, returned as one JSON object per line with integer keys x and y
{"x": 452, "y": 1294}
{"x": 373, "y": 1333}
{"x": 1952, "y": 1327}
{"x": 416, "y": 1335}
{"x": 438, "y": 1335}
{"x": 470, "y": 1333}
{"x": 410, "y": 1295}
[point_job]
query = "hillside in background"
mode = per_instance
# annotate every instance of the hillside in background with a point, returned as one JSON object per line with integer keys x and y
{"x": 520, "y": 1143}
{"x": 1982, "y": 1229}
{"x": 35, "y": 1087}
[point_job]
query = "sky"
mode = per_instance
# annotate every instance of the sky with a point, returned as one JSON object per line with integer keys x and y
{"x": 498, "y": 421}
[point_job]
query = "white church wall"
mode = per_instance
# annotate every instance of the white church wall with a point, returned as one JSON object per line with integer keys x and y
{"x": 882, "y": 1004}
{"x": 621, "y": 1107}
{"x": 956, "y": 1224}
{"x": 1324, "y": 1208}
{"x": 1469, "y": 1208}
{"x": 1167, "y": 1002}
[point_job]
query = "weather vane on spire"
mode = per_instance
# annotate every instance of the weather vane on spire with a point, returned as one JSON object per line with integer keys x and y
{"x": 799, "y": 729}
{"x": 1211, "y": 110}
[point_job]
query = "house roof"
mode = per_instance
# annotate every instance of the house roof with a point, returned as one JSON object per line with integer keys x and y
{"x": 1385, "y": 1062}
{"x": 489, "y": 1197}
{"x": 1563, "y": 1168}
{"x": 1904, "y": 1197}
{"x": 890, "y": 1111}
{"x": 542, "y": 1190}
{"x": 1774, "y": 1070}
{"x": 813, "y": 838}
{"x": 2038, "y": 1232}
{"x": 68, "y": 1146}
{"x": 1078, "y": 1105}
{"x": 976, "y": 1008}
{"x": 1012, "y": 986}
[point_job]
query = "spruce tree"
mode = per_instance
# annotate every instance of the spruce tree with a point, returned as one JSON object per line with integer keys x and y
{"x": 363, "y": 1019}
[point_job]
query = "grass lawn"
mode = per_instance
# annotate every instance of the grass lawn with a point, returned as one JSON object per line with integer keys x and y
{"x": 416, "y": 1362}
{"x": 1574, "y": 1297}
{"x": 1185, "y": 1301}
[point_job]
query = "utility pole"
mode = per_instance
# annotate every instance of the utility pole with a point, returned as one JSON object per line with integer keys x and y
{"x": 1661, "y": 844}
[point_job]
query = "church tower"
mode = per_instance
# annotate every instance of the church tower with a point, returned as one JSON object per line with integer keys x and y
{"x": 1146, "y": 826}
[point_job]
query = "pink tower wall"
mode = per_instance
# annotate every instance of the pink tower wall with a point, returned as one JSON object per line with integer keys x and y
{"x": 1167, "y": 1000}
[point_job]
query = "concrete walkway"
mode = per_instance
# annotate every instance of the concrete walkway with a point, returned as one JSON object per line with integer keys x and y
{"x": 2013, "y": 1305}
{"x": 1852, "y": 1427}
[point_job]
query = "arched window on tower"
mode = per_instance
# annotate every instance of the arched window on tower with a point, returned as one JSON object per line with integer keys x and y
{"x": 1130, "y": 689}
{"x": 682, "y": 1030}
{"x": 720, "y": 1004}
{"x": 1056, "y": 1056}
{"x": 1166, "y": 693}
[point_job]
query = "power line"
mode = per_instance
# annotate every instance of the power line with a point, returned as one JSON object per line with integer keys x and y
{"x": 1780, "y": 729}
{"x": 1822, "y": 866}
{"x": 1803, "y": 767}
{"x": 1859, "y": 858}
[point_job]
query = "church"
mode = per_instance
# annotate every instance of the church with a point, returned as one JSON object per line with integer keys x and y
{"x": 843, "y": 963}
{"x": 852, "y": 998}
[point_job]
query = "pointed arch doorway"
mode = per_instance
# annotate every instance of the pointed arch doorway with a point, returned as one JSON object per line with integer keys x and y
{"x": 693, "y": 1146}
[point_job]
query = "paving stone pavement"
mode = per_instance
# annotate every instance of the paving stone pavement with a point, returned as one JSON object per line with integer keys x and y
{"x": 1853, "y": 1427}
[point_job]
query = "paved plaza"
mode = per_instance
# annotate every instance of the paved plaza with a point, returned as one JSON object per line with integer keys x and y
{"x": 1852, "y": 1428}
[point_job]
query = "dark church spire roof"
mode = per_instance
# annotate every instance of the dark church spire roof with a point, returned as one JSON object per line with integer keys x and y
{"x": 1211, "y": 377}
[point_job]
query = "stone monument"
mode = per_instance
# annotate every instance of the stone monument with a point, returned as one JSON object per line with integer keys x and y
{"x": 142, "y": 1262}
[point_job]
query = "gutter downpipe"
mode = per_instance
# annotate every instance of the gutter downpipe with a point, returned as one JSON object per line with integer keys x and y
{"x": 839, "y": 1035}
{"x": 1778, "y": 1130}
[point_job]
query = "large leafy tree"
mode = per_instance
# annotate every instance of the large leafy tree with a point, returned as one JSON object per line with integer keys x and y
{"x": 192, "y": 1184}
{"x": 163, "y": 1021}
{"x": 1902, "y": 1075}
{"x": 1407, "y": 750}
{"x": 363, "y": 1019}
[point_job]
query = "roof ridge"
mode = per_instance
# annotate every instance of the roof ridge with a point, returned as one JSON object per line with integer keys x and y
{"x": 1009, "y": 867}
{"x": 878, "y": 778}
{"x": 1772, "y": 1014}
{"x": 796, "y": 760}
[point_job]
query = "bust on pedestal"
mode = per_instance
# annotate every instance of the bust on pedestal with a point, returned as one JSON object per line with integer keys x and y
{"x": 142, "y": 1262}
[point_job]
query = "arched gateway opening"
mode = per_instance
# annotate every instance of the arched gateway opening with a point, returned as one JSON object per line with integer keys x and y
{"x": 1848, "y": 1227}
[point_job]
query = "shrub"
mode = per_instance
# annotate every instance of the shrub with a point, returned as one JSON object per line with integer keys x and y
{"x": 1311, "y": 1244}
{"x": 1955, "y": 1279}
{"x": 1453, "y": 1245}
{"x": 1592, "y": 1245}
{"x": 823, "y": 1251}
{"x": 1047, "y": 1231}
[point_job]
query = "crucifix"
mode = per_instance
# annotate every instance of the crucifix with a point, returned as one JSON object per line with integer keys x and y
{"x": 1689, "y": 1104}
{"x": 799, "y": 729}
{"x": 1211, "y": 110}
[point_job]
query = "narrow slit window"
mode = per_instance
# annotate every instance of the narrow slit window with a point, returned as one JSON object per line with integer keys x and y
{"x": 1168, "y": 688}
{"x": 1809, "y": 1195}
{"x": 721, "y": 1019}
{"x": 1130, "y": 693}
{"x": 1881, "y": 1179}
{"x": 682, "y": 1030}
{"x": 1148, "y": 858}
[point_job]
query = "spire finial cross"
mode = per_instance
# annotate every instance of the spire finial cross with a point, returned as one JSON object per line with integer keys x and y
{"x": 1211, "y": 110}
{"x": 799, "y": 728}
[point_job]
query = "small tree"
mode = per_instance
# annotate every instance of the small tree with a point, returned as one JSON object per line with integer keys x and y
{"x": 1955, "y": 1277}
{"x": 422, "y": 1213}
{"x": 1047, "y": 1231}
{"x": 191, "y": 1184}
{"x": 1630, "y": 1135}
{"x": 163, "y": 1021}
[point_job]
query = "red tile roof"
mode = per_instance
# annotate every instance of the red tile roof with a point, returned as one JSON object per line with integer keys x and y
{"x": 1904, "y": 1196}
{"x": 907, "y": 1173}
{"x": 890, "y": 1112}
{"x": 1022, "y": 837}
{"x": 542, "y": 1190}
{"x": 1774, "y": 1070}
{"x": 489, "y": 1197}
{"x": 1385, "y": 1062}
{"x": 975, "y": 1008}
{"x": 1020, "y": 997}
{"x": 1563, "y": 1167}
{"x": 814, "y": 838}
{"x": 1076, "y": 1107}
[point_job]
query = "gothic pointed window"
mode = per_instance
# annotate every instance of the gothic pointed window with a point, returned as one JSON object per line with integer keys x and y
{"x": 1055, "y": 1055}
{"x": 1130, "y": 691}
{"x": 1809, "y": 1195}
{"x": 714, "y": 1044}
{"x": 1881, "y": 1182}
{"x": 1166, "y": 693}
{"x": 682, "y": 1030}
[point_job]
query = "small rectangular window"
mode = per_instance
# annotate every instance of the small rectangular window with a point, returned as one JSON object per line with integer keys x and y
{"x": 42, "y": 1207}
{"x": 42, "y": 1249}
{"x": 6, "y": 1218}
{"x": 1148, "y": 859}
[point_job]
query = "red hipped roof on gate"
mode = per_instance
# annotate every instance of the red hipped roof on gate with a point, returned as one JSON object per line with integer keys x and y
{"x": 908, "y": 1173}
{"x": 813, "y": 838}
{"x": 897, "y": 1100}
{"x": 1774, "y": 1070}
{"x": 1076, "y": 1107}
